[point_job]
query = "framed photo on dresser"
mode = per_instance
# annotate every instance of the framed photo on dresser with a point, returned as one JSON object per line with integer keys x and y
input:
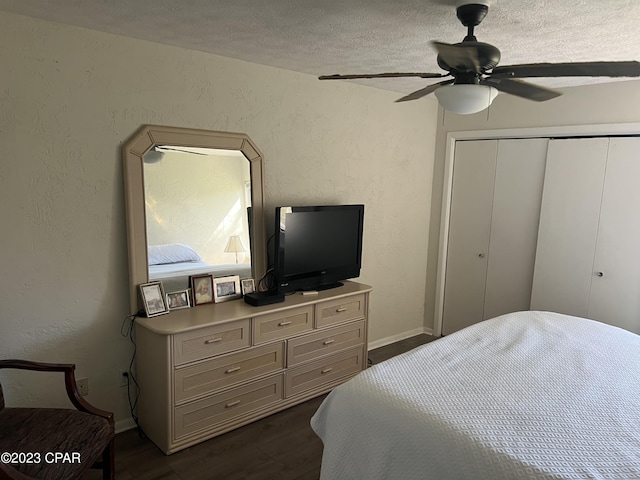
{"x": 153, "y": 299}
{"x": 202, "y": 289}
{"x": 248, "y": 285}
{"x": 179, "y": 299}
{"x": 226, "y": 288}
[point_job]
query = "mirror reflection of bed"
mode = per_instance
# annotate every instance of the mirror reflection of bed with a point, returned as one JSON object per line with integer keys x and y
{"x": 197, "y": 208}
{"x": 173, "y": 263}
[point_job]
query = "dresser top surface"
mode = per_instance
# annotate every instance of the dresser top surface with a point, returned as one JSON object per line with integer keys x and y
{"x": 216, "y": 313}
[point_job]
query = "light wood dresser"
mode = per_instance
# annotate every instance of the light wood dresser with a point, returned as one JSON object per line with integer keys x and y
{"x": 209, "y": 369}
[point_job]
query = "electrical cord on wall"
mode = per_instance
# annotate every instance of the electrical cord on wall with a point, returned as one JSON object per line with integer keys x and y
{"x": 270, "y": 260}
{"x": 127, "y": 330}
{"x": 268, "y": 281}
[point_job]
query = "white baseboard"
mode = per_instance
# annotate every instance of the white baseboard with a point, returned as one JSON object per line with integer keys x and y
{"x": 125, "y": 424}
{"x": 401, "y": 336}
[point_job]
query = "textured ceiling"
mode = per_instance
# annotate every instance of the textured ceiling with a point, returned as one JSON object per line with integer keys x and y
{"x": 361, "y": 36}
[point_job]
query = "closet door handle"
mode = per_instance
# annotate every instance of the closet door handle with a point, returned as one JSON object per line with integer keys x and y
{"x": 481, "y": 255}
{"x": 599, "y": 274}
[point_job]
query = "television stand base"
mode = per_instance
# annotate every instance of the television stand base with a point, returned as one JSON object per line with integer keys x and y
{"x": 329, "y": 286}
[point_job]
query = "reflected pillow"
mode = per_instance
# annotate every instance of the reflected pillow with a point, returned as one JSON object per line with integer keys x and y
{"x": 172, "y": 253}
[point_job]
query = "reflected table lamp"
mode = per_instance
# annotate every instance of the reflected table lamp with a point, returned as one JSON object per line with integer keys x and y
{"x": 235, "y": 245}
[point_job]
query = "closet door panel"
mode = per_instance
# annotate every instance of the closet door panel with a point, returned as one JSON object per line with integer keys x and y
{"x": 469, "y": 230}
{"x": 569, "y": 219}
{"x": 514, "y": 225}
{"x": 615, "y": 296}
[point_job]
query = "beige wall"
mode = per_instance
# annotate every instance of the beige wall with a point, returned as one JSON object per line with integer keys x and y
{"x": 70, "y": 97}
{"x": 604, "y": 104}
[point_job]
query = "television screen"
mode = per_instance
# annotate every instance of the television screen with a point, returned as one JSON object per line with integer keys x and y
{"x": 318, "y": 246}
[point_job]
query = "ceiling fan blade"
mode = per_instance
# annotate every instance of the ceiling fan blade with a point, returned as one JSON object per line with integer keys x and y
{"x": 572, "y": 69}
{"x": 424, "y": 91}
{"x": 167, "y": 148}
{"x": 380, "y": 75}
{"x": 460, "y": 57}
{"x": 521, "y": 89}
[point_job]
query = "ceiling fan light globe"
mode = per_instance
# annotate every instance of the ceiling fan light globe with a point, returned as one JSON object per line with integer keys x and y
{"x": 465, "y": 99}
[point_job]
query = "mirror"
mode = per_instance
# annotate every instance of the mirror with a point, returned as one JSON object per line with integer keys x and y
{"x": 194, "y": 205}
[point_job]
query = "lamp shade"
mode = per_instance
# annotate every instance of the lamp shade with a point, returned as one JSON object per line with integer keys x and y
{"x": 465, "y": 99}
{"x": 235, "y": 245}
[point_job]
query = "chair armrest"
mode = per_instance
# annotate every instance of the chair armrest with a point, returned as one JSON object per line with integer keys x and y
{"x": 69, "y": 380}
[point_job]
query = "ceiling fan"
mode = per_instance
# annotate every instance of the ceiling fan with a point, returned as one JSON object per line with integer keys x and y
{"x": 476, "y": 77}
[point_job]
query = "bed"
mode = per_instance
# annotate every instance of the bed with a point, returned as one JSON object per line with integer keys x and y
{"x": 173, "y": 263}
{"x": 533, "y": 395}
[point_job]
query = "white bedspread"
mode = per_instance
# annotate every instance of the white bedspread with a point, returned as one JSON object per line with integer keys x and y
{"x": 168, "y": 270}
{"x": 159, "y": 272}
{"x": 530, "y": 395}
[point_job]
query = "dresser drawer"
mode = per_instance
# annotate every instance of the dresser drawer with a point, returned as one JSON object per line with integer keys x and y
{"x": 325, "y": 342}
{"x": 282, "y": 324}
{"x": 322, "y": 372}
{"x": 208, "y": 412}
{"x": 340, "y": 310}
{"x": 202, "y": 378}
{"x": 210, "y": 341}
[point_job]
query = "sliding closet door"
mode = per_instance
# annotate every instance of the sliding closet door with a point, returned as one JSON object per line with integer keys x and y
{"x": 615, "y": 295}
{"x": 495, "y": 209}
{"x": 568, "y": 225}
{"x": 514, "y": 225}
{"x": 469, "y": 229}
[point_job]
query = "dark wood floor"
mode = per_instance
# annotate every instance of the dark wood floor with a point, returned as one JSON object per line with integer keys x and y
{"x": 279, "y": 447}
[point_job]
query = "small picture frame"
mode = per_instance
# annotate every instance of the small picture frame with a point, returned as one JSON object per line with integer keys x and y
{"x": 202, "y": 289}
{"x": 153, "y": 299}
{"x": 226, "y": 288}
{"x": 179, "y": 299}
{"x": 248, "y": 285}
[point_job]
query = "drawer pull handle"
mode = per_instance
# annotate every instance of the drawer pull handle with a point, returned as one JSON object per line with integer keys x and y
{"x": 326, "y": 370}
{"x": 232, "y": 369}
{"x": 232, "y": 404}
{"x": 329, "y": 341}
{"x": 213, "y": 340}
{"x": 284, "y": 323}
{"x": 341, "y": 309}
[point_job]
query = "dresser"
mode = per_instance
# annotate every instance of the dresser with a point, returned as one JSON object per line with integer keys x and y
{"x": 206, "y": 370}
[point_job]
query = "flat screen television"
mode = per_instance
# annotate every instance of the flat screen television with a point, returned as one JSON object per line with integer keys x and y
{"x": 317, "y": 246}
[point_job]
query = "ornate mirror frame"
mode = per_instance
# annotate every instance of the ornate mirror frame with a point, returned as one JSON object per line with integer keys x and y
{"x": 150, "y": 136}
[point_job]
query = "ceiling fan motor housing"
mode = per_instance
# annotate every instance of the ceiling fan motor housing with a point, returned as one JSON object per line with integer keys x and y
{"x": 488, "y": 58}
{"x": 471, "y": 14}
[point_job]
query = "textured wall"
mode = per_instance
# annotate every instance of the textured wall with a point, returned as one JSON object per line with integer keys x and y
{"x": 70, "y": 97}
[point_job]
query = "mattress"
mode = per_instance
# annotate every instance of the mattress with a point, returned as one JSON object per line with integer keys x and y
{"x": 532, "y": 395}
{"x": 167, "y": 270}
{"x": 159, "y": 272}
